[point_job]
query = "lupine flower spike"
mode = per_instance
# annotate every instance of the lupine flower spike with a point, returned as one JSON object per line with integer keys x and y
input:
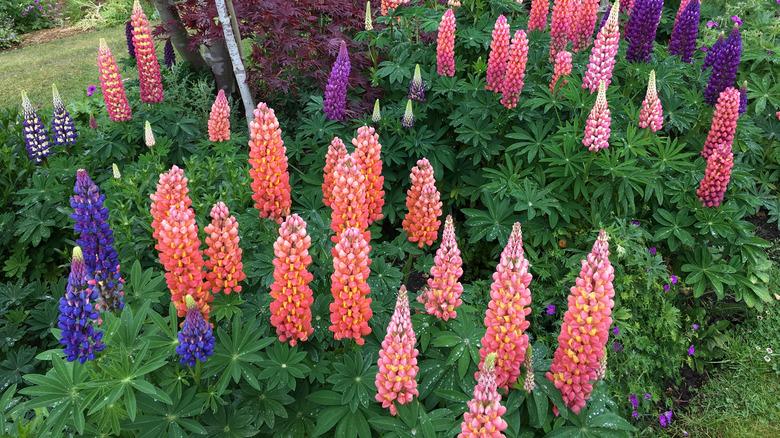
{"x": 111, "y": 82}
{"x": 585, "y": 329}
{"x": 396, "y": 380}
{"x": 483, "y": 419}
{"x": 529, "y": 382}
{"x": 445, "y": 45}
{"x": 597, "y": 129}
{"x": 115, "y": 170}
{"x": 62, "y": 129}
{"x": 171, "y": 189}
{"x": 36, "y": 138}
{"x": 148, "y": 135}
{"x": 386, "y": 5}
{"x": 336, "y": 89}
{"x": 196, "y": 339}
{"x": 129, "y": 37}
{"x": 602, "y": 57}
{"x": 336, "y": 152}
{"x": 417, "y": 89}
{"x": 93, "y": 122}
{"x": 97, "y": 240}
{"x": 369, "y": 23}
{"x": 515, "y": 70}
{"x": 146, "y": 58}
{"x": 219, "y": 119}
{"x": 562, "y": 68}
{"x": 224, "y": 266}
{"x": 169, "y": 55}
{"x": 743, "y": 98}
{"x": 377, "y": 116}
{"x": 717, "y": 149}
{"x": 408, "y": 119}
{"x": 505, "y": 319}
{"x": 651, "y": 115}
{"x": 351, "y": 307}
{"x": 724, "y": 67}
{"x": 422, "y": 175}
{"x": 585, "y": 16}
{"x": 499, "y": 55}
{"x": 368, "y": 160}
{"x": 686, "y": 29}
{"x": 77, "y": 314}
{"x": 538, "y": 16}
{"x": 712, "y": 53}
{"x": 292, "y": 296}
{"x": 348, "y": 199}
{"x": 442, "y": 295}
{"x": 642, "y": 26}
{"x": 421, "y": 222}
{"x": 560, "y": 23}
{"x": 454, "y": 3}
{"x": 267, "y": 156}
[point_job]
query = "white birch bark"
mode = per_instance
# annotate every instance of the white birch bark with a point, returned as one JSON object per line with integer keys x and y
{"x": 238, "y": 66}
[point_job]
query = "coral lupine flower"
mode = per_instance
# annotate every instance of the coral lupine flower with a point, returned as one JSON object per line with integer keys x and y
{"x": 651, "y": 114}
{"x": 224, "y": 266}
{"x": 395, "y": 382}
{"x": 560, "y": 23}
{"x": 642, "y": 26}
{"x": 505, "y": 319}
{"x": 408, "y": 120}
{"x": 377, "y": 115}
{"x": 368, "y": 21}
{"x": 169, "y": 55}
{"x": 717, "y": 149}
{"x": 515, "y": 70}
{"x": 348, "y": 199}
{"x": 36, "y": 138}
{"x": 291, "y": 307}
{"x": 417, "y": 89}
{"x": 597, "y": 129}
{"x": 499, "y": 55}
{"x": 585, "y": 328}
{"x": 336, "y": 152}
{"x": 145, "y": 56}
{"x": 422, "y": 175}
{"x": 196, "y": 339}
{"x": 562, "y": 68}
{"x": 538, "y": 16}
{"x": 336, "y": 90}
{"x": 111, "y": 82}
{"x": 483, "y": 418}
{"x": 442, "y": 296}
{"x": 445, "y": 45}
{"x": 62, "y": 129}
{"x": 602, "y": 57}
{"x": 586, "y": 15}
{"x": 423, "y": 205}
{"x": 724, "y": 67}
{"x": 368, "y": 160}
{"x": 148, "y": 135}
{"x": 129, "y": 37}
{"x": 77, "y": 313}
{"x": 97, "y": 242}
{"x": 219, "y": 119}
{"x": 171, "y": 189}
{"x": 712, "y": 52}
{"x": 267, "y": 155}
{"x": 386, "y": 5}
{"x": 686, "y": 29}
{"x": 351, "y": 307}
{"x": 716, "y": 178}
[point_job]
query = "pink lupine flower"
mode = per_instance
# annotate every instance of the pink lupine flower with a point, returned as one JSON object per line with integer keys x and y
{"x": 336, "y": 152}
{"x": 351, "y": 307}
{"x": 720, "y": 159}
{"x": 445, "y": 45}
{"x": 367, "y": 158}
{"x": 505, "y": 319}
{"x": 442, "y": 296}
{"x": 145, "y": 57}
{"x": 538, "y": 16}
{"x": 586, "y": 15}
{"x": 267, "y": 156}
{"x": 515, "y": 70}
{"x": 483, "y": 419}
{"x": 778, "y": 114}
{"x": 348, "y": 199}
{"x": 651, "y": 113}
{"x": 560, "y": 24}
{"x": 562, "y": 68}
{"x": 219, "y": 122}
{"x": 597, "y": 129}
{"x": 499, "y": 55}
{"x": 111, "y": 82}
{"x": 224, "y": 266}
{"x": 602, "y": 57}
{"x": 395, "y": 381}
{"x": 585, "y": 329}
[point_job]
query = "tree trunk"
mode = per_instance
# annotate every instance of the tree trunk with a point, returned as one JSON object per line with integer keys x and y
{"x": 238, "y": 66}
{"x": 168, "y": 12}
{"x": 217, "y": 56}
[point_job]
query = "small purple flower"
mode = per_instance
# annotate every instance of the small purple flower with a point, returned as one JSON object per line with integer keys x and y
{"x": 736, "y": 19}
{"x": 712, "y": 24}
{"x": 90, "y": 90}
{"x": 652, "y": 251}
{"x": 662, "y": 420}
{"x": 648, "y": 397}
{"x": 674, "y": 279}
{"x": 616, "y": 330}
{"x": 633, "y": 400}
{"x": 617, "y": 346}
{"x": 696, "y": 326}
{"x": 648, "y": 270}
{"x": 636, "y": 414}
{"x": 691, "y": 350}
{"x": 667, "y": 287}
{"x": 551, "y": 310}
{"x": 635, "y": 223}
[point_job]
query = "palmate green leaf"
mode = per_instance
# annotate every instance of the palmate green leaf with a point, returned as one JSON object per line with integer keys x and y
{"x": 328, "y": 418}
{"x": 385, "y": 278}
{"x": 283, "y": 366}
{"x": 397, "y": 71}
{"x": 493, "y": 224}
{"x": 480, "y": 134}
{"x": 506, "y": 179}
{"x": 45, "y": 189}
{"x": 35, "y": 224}
{"x": 228, "y": 423}
{"x": 173, "y": 420}
{"x": 703, "y": 270}
{"x": 673, "y": 228}
{"x": 534, "y": 201}
{"x": 531, "y": 143}
{"x": 670, "y": 153}
{"x": 761, "y": 90}
{"x": 713, "y": 222}
{"x": 354, "y": 379}
{"x": 268, "y": 404}
{"x": 144, "y": 284}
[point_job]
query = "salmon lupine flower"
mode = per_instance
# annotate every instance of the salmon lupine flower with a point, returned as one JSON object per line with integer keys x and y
{"x": 651, "y": 114}
{"x": 423, "y": 205}
{"x": 171, "y": 189}
{"x": 483, "y": 419}
{"x": 367, "y": 158}
{"x": 515, "y": 70}
{"x": 585, "y": 22}
{"x": 145, "y": 57}
{"x": 111, "y": 83}
{"x": 720, "y": 159}
{"x": 291, "y": 307}
{"x": 585, "y": 329}
{"x": 505, "y": 319}
{"x": 602, "y": 56}
{"x": 562, "y": 68}
{"x": 538, "y": 16}
{"x": 597, "y": 129}
{"x": 267, "y": 155}
{"x": 386, "y": 5}
{"x": 396, "y": 380}
{"x": 351, "y": 306}
{"x": 148, "y": 135}
{"x": 442, "y": 295}
{"x": 445, "y": 45}
{"x": 377, "y": 115}
{"x": 219, "y": 119}
{"x": 560, "y": 23}
{"x": 499, "y": 55}
{"x": 224, "y": 267}
{"x": 336, "y": 152}
{"x": 422, "y": 175}
{"x": 348, "y": 199}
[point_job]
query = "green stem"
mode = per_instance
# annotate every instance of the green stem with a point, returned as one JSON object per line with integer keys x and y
{"x": 408, "y": 268}
{"x": 198, "y": 365}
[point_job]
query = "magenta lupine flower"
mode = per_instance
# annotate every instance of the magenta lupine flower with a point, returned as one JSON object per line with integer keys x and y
{"x": 515, "y": 70}
{"x": 585, "y": 21}
{"x": 62, "y": 129}
{"x": 651, "y": 114}
{"x": 129, "y": 37}
{"x": 641, "y": 29}
{"x": 602, "y": 56}
{"x": 683, "y": 39}
{"x": 169, "y": 55}
{"x": 483, "y": 419}
{"x": 724, "y": 67}
{"x": 417, "y": 89}
{"x": 336, "y": 90}
{"x": 562, "y": 68}
{"x": 537, "y": 19}
{"x": 499, "y": 55}
{"x": 445, "y": 45}
{"x": 36, "y": 138}
{"x": 560, "y": 24}
{"x": 712, "y": 52}
{"x": 597, "y": 129}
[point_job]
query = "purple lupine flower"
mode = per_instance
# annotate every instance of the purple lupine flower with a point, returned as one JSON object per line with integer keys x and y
{"x": 195, "y": 338}
{"x": 77, "y": 314}
{"x": 551, "y": 310}
{"x": 336, "y": 90}
{"x": 724, "y": 67}
{"x": 417, "y": 89}
{"x": 35, "y": 135}
{"x": 604, "y": 18}
{"x": 97, "y": 240}
{"x": 641, "y": 29}
{"x": 633, "y": 400}
{"x": 743, "y": 98}
{"x": 685, "y": 32}
{"x": 712, "y": 52}
{"x": 62, "y": 129}
{"x": 169, "y": 55}
{"x": 129, "y": 37}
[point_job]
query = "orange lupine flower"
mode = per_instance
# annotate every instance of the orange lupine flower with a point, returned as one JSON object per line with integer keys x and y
{"x": 366, "y": 156}
{"x": 224, "y": 265}
{"x": 351, "y": 307}
{"x": 267, "y": 155}
{"x": 171, "y": 189}
{"x": 420, "y": 222}
{"x": 336, "y": 151}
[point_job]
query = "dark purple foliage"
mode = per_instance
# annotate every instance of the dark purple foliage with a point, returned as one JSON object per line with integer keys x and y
{"x": 641, "y": 29}
{"x": 685, "y": 32}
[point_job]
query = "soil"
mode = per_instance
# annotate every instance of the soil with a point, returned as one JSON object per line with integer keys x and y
{"x": 766, "y": 231}
{"x": 45, "y": 36}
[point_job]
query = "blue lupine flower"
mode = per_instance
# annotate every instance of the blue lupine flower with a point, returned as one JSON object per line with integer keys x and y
{"x": 35, "y": 135}
{"x": 77, "y": 314}
{"x": 336, "y": 90}
{"x": 724, "y": 67}
{"x": 62, "y": 129}
{"x": 417, "y": 89}
{"x": 195, "y": 338}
